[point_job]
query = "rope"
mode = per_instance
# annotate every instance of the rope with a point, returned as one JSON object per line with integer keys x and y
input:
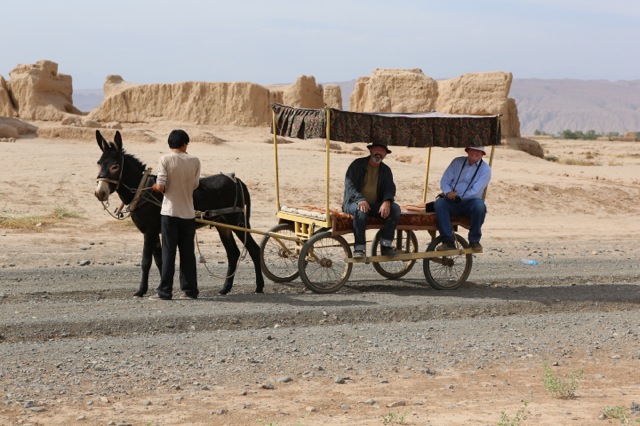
{"x": 117, "y": 213}
{"x": 139, "y": 194}
{"x": 243, "y": 253}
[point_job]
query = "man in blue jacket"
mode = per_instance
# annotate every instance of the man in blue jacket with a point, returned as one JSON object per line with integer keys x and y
{"x": 369, "y": 190}
{"x": 463, "y": 185}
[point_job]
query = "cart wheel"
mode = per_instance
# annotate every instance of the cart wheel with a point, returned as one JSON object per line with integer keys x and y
{"x": 405, "y": 242}
{"x": 322, "y": 263}
{"x": 447, "y": 272}
{"x": 279, "y": 257}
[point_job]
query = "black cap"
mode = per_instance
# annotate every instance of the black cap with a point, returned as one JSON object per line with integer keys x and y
{"x": 379, "y": 144}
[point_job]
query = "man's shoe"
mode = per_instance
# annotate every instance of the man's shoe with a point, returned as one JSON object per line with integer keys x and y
{"x": 158, "y": 297}
{"x": 388, "y": 251}
{"x": 476, "y": 246}
{"x": 185, "y": 296}
{"x": 446, "y": 245}
{"x": 359, "y": 254}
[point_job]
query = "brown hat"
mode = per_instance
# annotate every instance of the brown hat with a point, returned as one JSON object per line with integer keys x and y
{"x": 378, "y": 144}
{"x": 476, "y": 148}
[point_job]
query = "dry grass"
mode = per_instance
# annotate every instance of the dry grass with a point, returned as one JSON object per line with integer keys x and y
{"x": 589, "y": 159}
{"x": 58, "y": 215}
{"x": 574, "y": 162}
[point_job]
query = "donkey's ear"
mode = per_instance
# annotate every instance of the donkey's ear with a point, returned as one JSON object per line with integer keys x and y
{"x": 118, "y": 140}
{"x": 101, "y": 142}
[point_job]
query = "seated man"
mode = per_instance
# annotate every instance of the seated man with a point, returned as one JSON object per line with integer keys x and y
{"x": 369, "y": 190}
{"x": 463, "y": 184}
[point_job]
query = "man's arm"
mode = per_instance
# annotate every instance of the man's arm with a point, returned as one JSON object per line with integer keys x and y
{"x": 158, "y": 187}
{"x": 161, "y": 179}
{"x": 196, "y": 181}
{"x": 449, "y": 175}
{"x": 352, "y": 191}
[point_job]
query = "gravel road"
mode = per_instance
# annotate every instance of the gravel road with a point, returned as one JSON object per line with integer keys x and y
{"x": 72, "y": 334}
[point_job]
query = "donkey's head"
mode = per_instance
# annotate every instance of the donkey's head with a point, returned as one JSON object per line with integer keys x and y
{"x": 110, "y": 164}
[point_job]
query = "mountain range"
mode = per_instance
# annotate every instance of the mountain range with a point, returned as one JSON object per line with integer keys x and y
{"x": 555, "y": 105}
{"x": 544, "y": 105}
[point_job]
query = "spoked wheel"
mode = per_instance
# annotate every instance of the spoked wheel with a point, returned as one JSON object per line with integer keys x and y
{"x": 405, "y": 242}
{"x": 322, "y": 264}
{"x": 279, "y": 256}
{"x": 448, "y": 272}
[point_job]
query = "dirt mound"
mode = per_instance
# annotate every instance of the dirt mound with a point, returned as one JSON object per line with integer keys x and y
{"x": 409, "y": 90}
{"x": 40, "y": 93}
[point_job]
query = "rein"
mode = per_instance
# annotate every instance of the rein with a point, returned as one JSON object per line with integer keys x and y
{"x": 123, "y": 212}
{"x": 117, "y": 213}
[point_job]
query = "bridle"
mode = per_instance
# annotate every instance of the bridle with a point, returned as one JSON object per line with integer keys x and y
{"x": 113, "y": 181}
{"x": 117, "y": 213}
{"x": 123, "y": 212}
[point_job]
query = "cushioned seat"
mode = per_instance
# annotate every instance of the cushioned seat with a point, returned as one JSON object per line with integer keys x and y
{"x": 412, "y": 217}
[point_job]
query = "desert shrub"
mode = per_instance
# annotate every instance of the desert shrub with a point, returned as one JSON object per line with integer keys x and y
{"x": 394, "y": 418}
{"x": 520, "y": 416}
{"x": 590, "y": 135}
{"x": 561, "y": 387}
{"x": 618, "y": 412}
{"x": 574, "y": 162}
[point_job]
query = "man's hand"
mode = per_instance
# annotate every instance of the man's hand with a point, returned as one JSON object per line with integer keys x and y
{"x": 158, "y": 187}
{"x": 363, "y": 206}
{"x": 385, "y": 209}
{"x": 451, "y": 195}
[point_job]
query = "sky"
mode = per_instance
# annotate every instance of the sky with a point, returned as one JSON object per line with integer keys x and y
{"x": 275, "y": 42}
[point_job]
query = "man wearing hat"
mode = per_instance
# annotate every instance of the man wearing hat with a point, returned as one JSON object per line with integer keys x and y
{"x": 463, "y": 184}
{"x": 369, "y": 190}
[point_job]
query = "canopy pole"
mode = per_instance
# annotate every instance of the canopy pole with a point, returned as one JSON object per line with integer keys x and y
{"x": 426, "y": 177}
{"x": 327, "y": 171}
{"x": 493, "y": 148}
{"x": 275, "y": 154}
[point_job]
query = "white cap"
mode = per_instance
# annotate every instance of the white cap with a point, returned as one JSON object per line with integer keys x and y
{"x": 477, "y": 148}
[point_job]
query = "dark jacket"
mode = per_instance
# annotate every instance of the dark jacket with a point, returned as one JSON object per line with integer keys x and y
{"x": 355, "y": 177}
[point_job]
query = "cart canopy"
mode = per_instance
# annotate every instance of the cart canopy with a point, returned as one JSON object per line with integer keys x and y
{"x": 392, "y": 129}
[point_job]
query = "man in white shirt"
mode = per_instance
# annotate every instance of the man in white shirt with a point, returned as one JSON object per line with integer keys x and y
{"x": 178, "y": 177}
{"x": 463, "y": 184}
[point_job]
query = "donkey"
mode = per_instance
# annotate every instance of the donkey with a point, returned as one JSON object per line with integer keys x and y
{"x": 223, "y": 199}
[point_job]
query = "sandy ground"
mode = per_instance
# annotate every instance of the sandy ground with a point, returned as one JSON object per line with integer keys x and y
{"x": 588, "y": 194}
{"x": 583, "y": 205}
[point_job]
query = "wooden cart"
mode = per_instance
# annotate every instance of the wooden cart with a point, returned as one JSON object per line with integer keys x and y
{"x": 308, "y": 240}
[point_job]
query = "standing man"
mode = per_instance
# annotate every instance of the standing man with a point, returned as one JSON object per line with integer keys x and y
{"x": 369, "y": 190}
{"x": 178, "y": 177}
{"x": 463, "y": 185}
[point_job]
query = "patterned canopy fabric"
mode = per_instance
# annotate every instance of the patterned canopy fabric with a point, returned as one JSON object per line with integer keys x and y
{"x": 413, "y": 130}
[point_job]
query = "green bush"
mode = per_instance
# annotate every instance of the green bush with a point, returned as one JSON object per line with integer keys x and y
{"x": 520, "y": 416}
{"x": 589, "y": 135}
{"x": 561, "y": 387}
